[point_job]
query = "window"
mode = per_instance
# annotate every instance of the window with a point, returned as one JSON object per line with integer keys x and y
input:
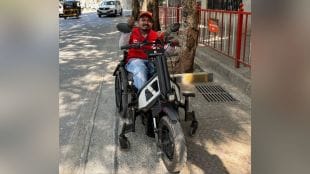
{"x": 108, "y": 3}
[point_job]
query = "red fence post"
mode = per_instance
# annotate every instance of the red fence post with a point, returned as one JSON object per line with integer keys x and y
{"x": 178, "y": 12}
{"x": 165, "y": 17}
{"x": 239, "y": 36}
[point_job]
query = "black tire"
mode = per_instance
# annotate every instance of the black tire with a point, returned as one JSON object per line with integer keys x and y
{"x": 149, "y": 126}
{"x": 117, "y": 89}
{"x": 99, "y": 15}
{"x": 124, "y": 93}
{"x": 115, "y": 13}
{"x": 124, "y": 143}
{"x": 172, "y": 143}
{"x": 65, "y": 18}
{"x": 121, "y": 13}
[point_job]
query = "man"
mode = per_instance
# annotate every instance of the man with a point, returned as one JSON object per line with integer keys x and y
{"x": 137, "y": 62}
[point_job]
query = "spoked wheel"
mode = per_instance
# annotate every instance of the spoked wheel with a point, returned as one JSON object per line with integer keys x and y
{"x": 172, "y": 143}
{"x": 118, "y": 92}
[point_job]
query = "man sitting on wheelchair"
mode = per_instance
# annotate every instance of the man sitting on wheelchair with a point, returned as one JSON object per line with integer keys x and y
{"x": 136, "y": 60}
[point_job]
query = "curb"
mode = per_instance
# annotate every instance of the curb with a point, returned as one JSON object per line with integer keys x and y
{"x": 192, "y": 78}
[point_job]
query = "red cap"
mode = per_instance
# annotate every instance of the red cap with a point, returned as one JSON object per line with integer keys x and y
{"x": 145, "y": 13}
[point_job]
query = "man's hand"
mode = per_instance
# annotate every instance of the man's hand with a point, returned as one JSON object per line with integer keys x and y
{"x": 175, "y": 42}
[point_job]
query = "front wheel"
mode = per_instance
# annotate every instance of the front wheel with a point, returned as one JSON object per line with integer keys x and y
{"x": 172, "y": 143}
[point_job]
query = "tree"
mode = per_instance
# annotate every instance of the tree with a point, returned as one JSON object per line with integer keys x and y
{"x": 135, "y": 9}
{"x": 152, "y": 7}
{"x": 185, "y": 63}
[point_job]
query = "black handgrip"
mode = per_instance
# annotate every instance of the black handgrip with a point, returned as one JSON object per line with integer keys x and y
{"x": 137, "y": 45}
{"x": 125, "y": 47}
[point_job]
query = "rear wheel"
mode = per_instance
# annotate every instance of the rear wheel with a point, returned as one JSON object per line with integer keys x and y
{"x": 124, "y": 93}
{"x": 121, "y": 13}
{"x": 172, "y": 143}
{"x": 118, "y": 92}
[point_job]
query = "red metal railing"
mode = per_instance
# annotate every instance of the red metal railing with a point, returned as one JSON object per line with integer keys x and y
{"x": 232, "y": 37}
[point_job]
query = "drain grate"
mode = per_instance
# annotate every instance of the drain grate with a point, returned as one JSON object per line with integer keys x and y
{"x": 215, "y": 93}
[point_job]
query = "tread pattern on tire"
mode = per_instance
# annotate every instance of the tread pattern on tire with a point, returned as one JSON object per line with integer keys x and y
{"x": 124, "y": 96}
{"x": 180, "y": 150}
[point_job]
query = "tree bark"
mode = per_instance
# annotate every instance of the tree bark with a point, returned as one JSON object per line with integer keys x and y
{"x": 185, "y": 63}
{"x": 152, "y": 7}
{"x": 156, "y": 25}
{"x": 135, "y": 9}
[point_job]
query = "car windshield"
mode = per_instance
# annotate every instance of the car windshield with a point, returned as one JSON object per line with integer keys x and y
{"x": 108, "y": 3}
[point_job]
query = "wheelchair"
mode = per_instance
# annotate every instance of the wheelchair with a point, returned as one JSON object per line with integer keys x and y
{"x": 158, "y": 103}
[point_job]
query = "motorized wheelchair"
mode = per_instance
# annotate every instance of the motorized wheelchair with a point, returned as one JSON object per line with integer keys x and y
{"x": 157, "y": 102}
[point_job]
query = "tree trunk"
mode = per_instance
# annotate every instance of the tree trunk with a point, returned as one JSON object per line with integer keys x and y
{"x": 185, "y": 63}
{"x": 152, "y": 7}
{"x": 156, "y": 25}
{"x": 135, "y": 9}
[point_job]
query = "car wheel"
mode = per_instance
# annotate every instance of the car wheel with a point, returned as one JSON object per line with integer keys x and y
{"x": 65, "y": 17}
{"x": 121, "y": 13}
{"x": 115, "y": 13}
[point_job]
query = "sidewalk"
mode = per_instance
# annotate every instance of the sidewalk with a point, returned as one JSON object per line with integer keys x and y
{"x": 222, "y": 143}
{"x": 216, "y": 62}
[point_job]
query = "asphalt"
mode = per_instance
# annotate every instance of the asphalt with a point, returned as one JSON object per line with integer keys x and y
{"x": 89, "y": 124}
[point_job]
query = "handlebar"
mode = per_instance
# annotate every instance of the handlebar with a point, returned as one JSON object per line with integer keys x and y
{"x": 141, "y": 44}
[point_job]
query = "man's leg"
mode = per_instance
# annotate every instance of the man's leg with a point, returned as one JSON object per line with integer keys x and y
{"x": 139, "y": 70}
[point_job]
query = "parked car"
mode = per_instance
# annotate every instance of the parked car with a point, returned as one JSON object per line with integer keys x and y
{"x": 110, "y": 7}
{"x": 71, "y": 8}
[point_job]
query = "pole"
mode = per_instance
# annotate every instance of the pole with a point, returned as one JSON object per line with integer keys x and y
{"x": 239, "y": 36}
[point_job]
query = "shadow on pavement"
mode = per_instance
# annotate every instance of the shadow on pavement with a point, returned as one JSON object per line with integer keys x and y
{"x": 208, "y": 163}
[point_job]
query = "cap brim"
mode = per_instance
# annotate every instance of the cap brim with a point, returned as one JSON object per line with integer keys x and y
{"x": 145, "y": 14}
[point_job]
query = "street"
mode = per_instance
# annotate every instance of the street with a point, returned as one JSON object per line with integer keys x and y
{"x": 89, "y": 124}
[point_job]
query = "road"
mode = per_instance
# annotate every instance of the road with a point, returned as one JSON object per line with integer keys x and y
{"x": 89, "y": 124}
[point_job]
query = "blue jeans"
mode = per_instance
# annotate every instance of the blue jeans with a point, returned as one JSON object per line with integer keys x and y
{"x": 141, "y": 69}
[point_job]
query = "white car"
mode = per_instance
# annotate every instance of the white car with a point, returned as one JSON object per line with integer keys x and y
{"x": 60, "y": 9}
{"x": 110, "y": 7}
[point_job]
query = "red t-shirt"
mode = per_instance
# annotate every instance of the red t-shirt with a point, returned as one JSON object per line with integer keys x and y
{"x": 136, "y": 37}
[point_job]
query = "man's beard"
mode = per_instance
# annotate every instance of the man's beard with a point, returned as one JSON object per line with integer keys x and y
{"x": 146, "y": 28}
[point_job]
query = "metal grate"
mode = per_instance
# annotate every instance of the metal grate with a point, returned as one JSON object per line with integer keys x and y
{"x": 215, "y": 93}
